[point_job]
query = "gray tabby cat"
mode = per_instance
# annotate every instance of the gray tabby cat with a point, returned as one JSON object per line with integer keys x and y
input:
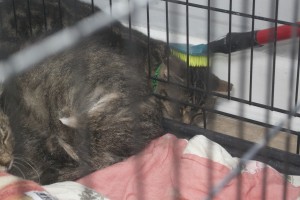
{"x": 81, "y": 110}
{"x": 86, "y": 108}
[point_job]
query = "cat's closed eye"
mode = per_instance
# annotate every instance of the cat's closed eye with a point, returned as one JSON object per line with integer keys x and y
{"x": 6, "y": 142}
{"x": 5, "y": 133}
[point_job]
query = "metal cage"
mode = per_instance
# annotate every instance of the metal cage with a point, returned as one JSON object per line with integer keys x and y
{"x": 236, "y": 16}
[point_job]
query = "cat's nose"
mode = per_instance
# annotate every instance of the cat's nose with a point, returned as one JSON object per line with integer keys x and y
{"x": 5, "y": 160}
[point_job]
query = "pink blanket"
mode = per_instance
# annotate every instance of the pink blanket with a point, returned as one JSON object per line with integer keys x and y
{"x": 13, "y": 188}
{"x": 169, "y": 168}
{"x": 162, "y": 171}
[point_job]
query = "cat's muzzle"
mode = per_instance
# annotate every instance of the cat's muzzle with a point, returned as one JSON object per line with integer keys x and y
{"x": 6, "y": 161}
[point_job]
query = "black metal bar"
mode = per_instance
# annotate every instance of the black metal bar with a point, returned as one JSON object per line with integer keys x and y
{"x": 15, "y": 16}
{"x": 93, "y": 6}
{"x": 286, "y": 163}
{"x": 110, "y": 6}
{"x": 208, "y": 43}
{"x": 168, "y": 38}
{"x": 187, "y": 43}
{"x": 229, "y": 55}
{"x": 210, "y": 172}
{"x": 29, "y": 16}
{"x": 298, "y": 71}
{"x": 148, "y": 34}
{"x": 60, "y": 14}
{"x": 274, "y": 53}
{"x": 207, "y": 89}
{"x": 204, "y": 118}
{"x": 298, "y": 144}
{"x": 251, "y": 53}
{"x": 110, "y": 9}
{"x": 45, "y": 16}
{"x": 129, "y": 23}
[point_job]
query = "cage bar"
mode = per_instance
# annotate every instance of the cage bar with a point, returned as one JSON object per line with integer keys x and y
{"x": 283, "y": 160}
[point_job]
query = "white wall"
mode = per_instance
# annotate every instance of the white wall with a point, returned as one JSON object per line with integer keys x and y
{"x": 240, "y": 60}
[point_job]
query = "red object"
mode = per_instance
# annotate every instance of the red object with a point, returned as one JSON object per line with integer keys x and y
{"x": 283, "y": 32}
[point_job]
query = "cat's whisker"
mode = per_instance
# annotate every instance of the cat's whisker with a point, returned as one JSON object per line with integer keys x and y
{"x": 20, "y": 158}
{"x": 14, "y": 166}
{"x": 10, "y": 165}
{"x": 25, "y": 161}
{"x": 30, "y": 165}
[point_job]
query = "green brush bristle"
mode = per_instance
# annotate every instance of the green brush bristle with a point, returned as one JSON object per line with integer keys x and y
{"x": 194, "y": 61}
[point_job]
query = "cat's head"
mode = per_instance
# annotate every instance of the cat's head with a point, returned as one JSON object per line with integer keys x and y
{"x": 6, "y": 142}
{"x": 177, "y": 99}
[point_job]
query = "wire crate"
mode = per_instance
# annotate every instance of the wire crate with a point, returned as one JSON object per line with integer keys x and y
{"x": 261, "y": 102}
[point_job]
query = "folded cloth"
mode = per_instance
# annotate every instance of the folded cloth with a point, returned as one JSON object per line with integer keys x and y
{"x": 147, "y": 175}
{"x": 251, "y": 179}
{"x": 70, "y": 190}
{"x": 163, "y": 171}
{"x": 13, "y": 188}
{"x": 169, "y": 168}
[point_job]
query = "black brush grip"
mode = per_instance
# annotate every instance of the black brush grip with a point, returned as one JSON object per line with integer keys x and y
{"x": 233, "y": 42}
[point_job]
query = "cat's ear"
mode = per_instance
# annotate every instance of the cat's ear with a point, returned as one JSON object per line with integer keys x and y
{"x": 219, "y": 85}
{"x": 69, "y": 149}
{"x": 223, "y": 86}
{"x": 71, "y": 122}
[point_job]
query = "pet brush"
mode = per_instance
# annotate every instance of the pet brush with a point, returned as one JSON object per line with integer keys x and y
{"x": 231, "y": 43}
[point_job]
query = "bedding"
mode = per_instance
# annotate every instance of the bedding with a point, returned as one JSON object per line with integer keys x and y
{"x": 13, "y": 188}
{"x": 169, "y": 168}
